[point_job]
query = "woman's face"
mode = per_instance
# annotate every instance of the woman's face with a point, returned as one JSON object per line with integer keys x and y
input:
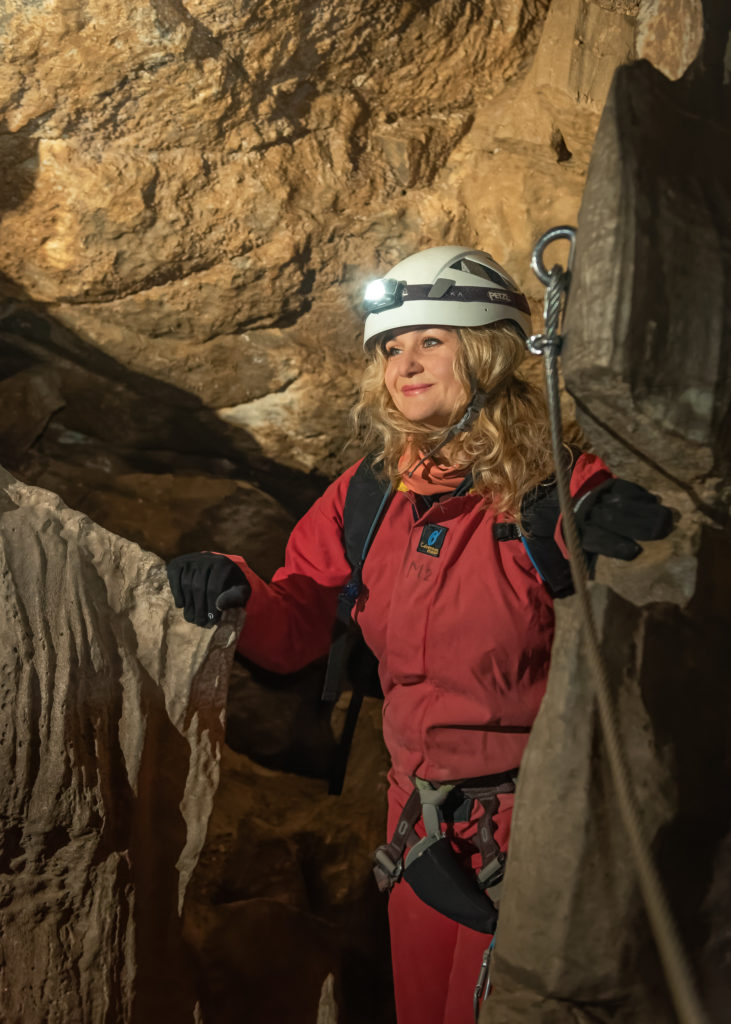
{"x": 420, "y": 374}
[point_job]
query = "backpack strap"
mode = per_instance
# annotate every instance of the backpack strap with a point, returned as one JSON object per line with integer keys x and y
{"x": 366, "y": 502}
{"x": 366, "y": 492}
{"x": 539, "y": 513}
{"x": 360, "y": 522}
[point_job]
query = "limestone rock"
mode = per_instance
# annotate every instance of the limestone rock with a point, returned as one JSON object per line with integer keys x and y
{"x": 645, "y": 360}
{"x": 28, "y": 400}
{"x": 233, "y": 125}
{"x": 327, "y": 1011}
{"x": 112, "y": 725}
{"x": 641, "y": 348}
{"x": 200, "y": 192}
{"x": 573, "y": 941}
{"x": 175, "y": 513}
{"x": 284, "y": 896}
{"x": 581, "y": 959}
{"x": 669, "y": 34}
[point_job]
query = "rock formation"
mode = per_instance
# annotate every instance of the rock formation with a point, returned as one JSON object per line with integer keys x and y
{"x": 197, "y": 194}
{"x": 193, "y": 196}
{"x": 646, "y": 362}
{"x": 112, "y": 717}
{"x": 284, "y": 896}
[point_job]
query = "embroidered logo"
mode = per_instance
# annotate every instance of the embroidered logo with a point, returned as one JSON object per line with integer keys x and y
{"x": 432, "y": 538}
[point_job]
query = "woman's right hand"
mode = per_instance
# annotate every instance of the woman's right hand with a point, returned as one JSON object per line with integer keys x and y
{"x": 204, "y": 585}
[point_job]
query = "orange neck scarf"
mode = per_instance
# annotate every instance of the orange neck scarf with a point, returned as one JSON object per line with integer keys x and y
{"x": 429, "y": 478}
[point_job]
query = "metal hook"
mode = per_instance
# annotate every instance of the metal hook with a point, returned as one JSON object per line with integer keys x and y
{"x": 483, "y": 986}
{"x": 552, "y": 235}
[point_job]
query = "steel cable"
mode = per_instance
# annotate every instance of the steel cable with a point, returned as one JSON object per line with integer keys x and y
{"x": 672, "y": 956}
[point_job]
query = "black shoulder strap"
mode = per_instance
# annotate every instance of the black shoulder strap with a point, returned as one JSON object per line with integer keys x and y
{"x": 540, "y": 511}
{"x": 365, "y": 503}
{"x": 362, "y": 503}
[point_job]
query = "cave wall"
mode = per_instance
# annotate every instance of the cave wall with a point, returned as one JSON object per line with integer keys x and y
{"x": 194, "y": 195}
{"x": 111, "y": 728}
{"x": 646, "y": 360}
{"x": 147, "y": 871}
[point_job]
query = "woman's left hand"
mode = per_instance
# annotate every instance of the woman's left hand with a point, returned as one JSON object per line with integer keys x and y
{"x": 614, "y": 516}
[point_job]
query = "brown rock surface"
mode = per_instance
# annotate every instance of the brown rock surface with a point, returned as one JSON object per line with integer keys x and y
{"x": 646, "y": 361}
{"x": 199, "y": 191}
{"x": 195, "y": 195}
{"x": 112, "y": 724}
{"x": 284, "y": 895}
{"x": 195, "y": 148}
{"x": 669, "y": 34}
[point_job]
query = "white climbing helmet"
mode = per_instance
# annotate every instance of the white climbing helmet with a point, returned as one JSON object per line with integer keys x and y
{"x": 447, "y": 286}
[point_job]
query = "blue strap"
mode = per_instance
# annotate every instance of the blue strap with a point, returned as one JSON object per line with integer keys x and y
{"x": 533, "y": 561}
{"x": 376, "y": 522}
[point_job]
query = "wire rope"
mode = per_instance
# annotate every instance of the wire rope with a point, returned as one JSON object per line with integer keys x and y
{"x": 672, "y": 956}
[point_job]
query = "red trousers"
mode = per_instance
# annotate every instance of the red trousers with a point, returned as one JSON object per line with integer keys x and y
{"x": 436, "y": 962}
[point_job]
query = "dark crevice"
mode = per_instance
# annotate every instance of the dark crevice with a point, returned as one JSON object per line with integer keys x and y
{"x": 558, "y": 144}
{"x": 171, "y": 428}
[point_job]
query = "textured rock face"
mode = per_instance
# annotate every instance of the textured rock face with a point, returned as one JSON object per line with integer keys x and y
{"x": 647, "y": 254}
{"x": 669, "y": 34}
{"x": 238, "y": 126}
{"x": 646, "y": 361}
{"x": 199, "y": 191}
{"x": 112, "y": 714}
{"x": 193, "y": 197}
{"x": 284, "y": 897}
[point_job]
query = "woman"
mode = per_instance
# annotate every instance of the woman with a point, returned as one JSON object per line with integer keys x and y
{"x": 451, "y": 601}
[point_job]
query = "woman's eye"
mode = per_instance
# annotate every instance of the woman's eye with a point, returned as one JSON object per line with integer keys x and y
{"x": 430, "y": 342}
{"x": 392, "y": 352}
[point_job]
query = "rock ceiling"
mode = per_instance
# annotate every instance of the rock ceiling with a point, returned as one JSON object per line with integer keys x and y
{"x": 196, "y": 192}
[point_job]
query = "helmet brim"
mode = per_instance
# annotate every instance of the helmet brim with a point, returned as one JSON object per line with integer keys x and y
{"x": 420, "y": 314}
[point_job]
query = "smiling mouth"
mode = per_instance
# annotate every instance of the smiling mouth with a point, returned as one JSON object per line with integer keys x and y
{"x": 414, "y": 389}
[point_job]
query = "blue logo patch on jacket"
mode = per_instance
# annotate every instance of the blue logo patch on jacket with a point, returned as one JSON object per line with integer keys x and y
{"x": 432, "y": 538}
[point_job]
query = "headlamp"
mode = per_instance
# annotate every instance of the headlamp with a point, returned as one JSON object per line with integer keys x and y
{"x": 383, "y": 293}
{"x": 388, "y": 293}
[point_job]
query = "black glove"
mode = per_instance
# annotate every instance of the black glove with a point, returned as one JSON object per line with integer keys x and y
{"x": 616, "y": 514}
{"x": 204, "y": 585}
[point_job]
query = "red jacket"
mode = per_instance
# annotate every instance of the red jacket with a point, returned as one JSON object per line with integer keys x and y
{"x": 462, "y": 630}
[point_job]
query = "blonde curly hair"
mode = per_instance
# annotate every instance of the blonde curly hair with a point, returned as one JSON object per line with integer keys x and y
{"x": 508, "y": 446}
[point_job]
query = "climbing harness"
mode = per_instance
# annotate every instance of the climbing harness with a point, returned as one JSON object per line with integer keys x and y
{"x": 548, "y": 344}
{"x": 431, "y": 867}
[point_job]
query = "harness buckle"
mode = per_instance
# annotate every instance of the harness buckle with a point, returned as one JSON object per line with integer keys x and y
{"x": 387, "y": 871}
{"x": 492, "y": 873}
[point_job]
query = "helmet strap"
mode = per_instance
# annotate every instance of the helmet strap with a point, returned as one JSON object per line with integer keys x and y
{"x": 475, "y": 405}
